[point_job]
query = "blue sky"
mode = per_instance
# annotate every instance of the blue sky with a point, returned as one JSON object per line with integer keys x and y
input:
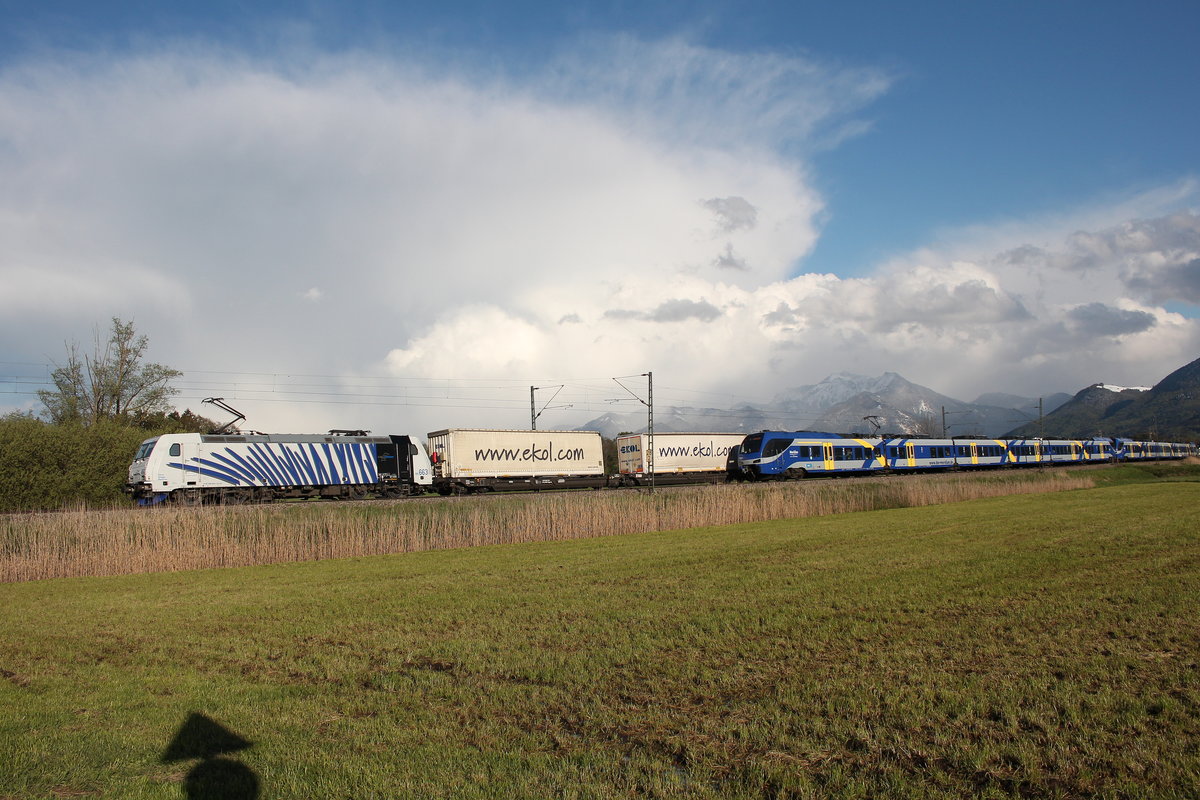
{"x": 1036, "y": 160}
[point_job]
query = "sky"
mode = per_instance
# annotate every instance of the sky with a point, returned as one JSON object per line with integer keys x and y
{"x": 403, "y": 217}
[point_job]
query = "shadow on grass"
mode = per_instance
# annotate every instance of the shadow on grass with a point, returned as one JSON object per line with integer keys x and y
{"x": 214, "y": 777}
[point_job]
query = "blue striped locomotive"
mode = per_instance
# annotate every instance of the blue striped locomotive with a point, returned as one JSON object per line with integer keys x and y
{"x": 195, "y": 469}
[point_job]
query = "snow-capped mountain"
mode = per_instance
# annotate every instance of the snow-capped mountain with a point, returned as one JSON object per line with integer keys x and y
{"x": 844, "y": 402}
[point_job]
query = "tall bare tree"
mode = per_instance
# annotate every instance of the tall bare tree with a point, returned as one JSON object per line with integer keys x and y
{"x": 926, "y": 424}
{"x": 112, "y": 383}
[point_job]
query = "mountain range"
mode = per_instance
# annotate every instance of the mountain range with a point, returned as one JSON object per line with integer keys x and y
{"x": 1167, "y": 411}
{"x": 847, "y": 403}
{"x": 890, "y": 404}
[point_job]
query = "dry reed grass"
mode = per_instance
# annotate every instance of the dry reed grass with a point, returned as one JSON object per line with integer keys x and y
{"x": 114, "y": 542}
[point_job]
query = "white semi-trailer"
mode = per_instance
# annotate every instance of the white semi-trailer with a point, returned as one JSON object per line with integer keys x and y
{"x": 475, "y": 460}
{"x": 678, "y": 457}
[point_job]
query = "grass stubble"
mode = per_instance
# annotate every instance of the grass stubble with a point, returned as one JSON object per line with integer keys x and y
{"x": 1020, "y": 646}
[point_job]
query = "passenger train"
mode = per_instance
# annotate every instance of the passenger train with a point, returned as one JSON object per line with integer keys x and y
{"x": 783, "y": 455}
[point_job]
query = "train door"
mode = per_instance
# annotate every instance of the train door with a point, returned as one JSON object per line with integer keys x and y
{"x": 910, "y": 451}
{"x": 974, "y": 454}
{"x": 395, "y": 461}
{"x": 390, "y": 460}
{"x": 184, "y": 455}
{"x": 828, "y": 452}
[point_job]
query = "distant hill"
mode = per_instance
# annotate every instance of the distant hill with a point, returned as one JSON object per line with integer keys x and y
{"x": 848, "y": 403}
{"x": 1168, "y": 411}
{"x": 900, "y": 406}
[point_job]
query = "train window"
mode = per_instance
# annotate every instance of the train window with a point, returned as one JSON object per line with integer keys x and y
{"x": 175, "y": 450}
{"x": 775, "y": 447}
{"x": 752, "y": 443}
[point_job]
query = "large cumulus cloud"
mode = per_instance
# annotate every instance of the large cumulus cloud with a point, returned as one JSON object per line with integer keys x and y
{"x": 346, "y": 232}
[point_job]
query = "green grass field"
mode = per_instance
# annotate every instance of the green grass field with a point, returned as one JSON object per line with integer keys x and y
{"x": 1028, "y": 646}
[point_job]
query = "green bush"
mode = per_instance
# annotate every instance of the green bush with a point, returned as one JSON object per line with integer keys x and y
{"x": 45, "y": 466}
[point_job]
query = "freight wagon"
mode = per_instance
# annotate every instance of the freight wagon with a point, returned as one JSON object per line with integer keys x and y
{"x": 678, "y": 457}
{"x": 475, "y": 460}
{"x": 195, "y": 469}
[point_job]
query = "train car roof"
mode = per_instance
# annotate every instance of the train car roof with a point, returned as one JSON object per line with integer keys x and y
{"x": 303, "y": 438}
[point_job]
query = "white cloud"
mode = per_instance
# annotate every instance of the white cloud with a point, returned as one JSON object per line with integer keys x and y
{"x": 630, "y": 208}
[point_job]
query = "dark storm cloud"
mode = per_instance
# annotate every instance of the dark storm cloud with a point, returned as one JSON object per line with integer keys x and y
{"x": 732, "y": 213}
{"x": 1166, "y": 283}
{"x": 727, "y": 260}
{"x": 671, "y": 311}
{"x": 1098, "y": 319}
{"x": 782, "y": 315}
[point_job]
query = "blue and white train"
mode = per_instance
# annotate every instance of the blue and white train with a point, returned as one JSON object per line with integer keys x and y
{"x": 196, "y": 469}
{"x": 201, "y": 469}
{"x": 783, "y": 455}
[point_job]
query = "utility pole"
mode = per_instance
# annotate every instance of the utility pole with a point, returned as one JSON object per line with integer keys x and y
{"x": 649, "y": 404}
{"x": 650, "y": 425}
{"x": 945, "y": 427}
{"x": 533, "y": 412}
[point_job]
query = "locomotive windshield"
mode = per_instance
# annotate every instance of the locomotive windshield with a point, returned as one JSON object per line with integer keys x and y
{"x": 752, "y": 443}
{"x": 144, "y": 450}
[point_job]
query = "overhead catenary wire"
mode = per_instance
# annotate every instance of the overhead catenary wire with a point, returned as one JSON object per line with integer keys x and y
{"x": 582, "y": 394}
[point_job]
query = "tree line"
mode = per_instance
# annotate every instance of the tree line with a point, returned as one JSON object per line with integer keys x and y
{"x": 102, "y": 405}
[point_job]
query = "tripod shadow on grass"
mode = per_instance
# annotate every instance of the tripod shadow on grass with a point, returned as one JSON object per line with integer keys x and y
{"x": 215, "y": 776}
